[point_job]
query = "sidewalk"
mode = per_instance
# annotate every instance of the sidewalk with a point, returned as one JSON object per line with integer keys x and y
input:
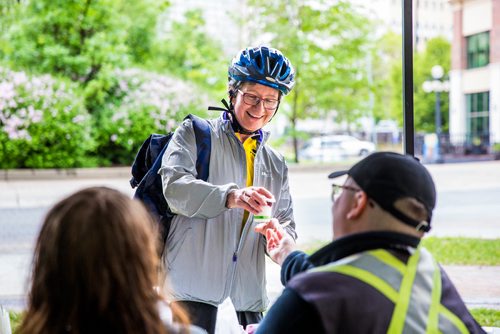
{"x": 479, "y": 286}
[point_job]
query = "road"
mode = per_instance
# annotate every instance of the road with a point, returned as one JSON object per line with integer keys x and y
{"x": 468, "y": 201}
{"x": 468, "y": 205}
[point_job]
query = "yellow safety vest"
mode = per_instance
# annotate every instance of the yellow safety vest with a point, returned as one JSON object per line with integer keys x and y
{"x": 414, "y": 288}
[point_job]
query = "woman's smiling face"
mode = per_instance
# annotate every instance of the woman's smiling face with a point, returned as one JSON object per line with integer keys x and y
{"x": 254, "y": 117}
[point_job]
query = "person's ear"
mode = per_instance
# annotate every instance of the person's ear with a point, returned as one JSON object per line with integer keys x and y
{"x": 359, "y": 203}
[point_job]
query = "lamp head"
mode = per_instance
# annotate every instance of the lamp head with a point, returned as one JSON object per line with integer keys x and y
{"x": 437, "y": 72}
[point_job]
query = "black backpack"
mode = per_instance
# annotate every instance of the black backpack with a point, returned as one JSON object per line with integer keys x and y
{"x": 148, "y": 182}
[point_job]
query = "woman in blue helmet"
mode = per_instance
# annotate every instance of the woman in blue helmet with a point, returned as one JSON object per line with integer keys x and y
{"x": 212, "y": 252}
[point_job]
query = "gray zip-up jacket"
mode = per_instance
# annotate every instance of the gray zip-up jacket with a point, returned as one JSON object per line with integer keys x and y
{"x": 208, "y": 255}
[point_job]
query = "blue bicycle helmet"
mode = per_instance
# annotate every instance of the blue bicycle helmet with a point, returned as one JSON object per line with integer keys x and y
{"x": 263, "y": 65}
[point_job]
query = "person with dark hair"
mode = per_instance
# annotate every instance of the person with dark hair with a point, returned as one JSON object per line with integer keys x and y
{"x": 211, "y": 251}
{"x": 375, "y": 277}
{"x": 95, "y": 270}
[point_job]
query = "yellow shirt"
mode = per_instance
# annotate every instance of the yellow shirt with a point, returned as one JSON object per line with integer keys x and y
{"x": 250, "y": 146}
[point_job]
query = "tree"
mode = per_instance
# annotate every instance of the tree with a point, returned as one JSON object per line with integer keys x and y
{"x": 187, "y": 52}
{"x": 386, "y": 56}
{"x": 70, "y": 38}
{"x": 327, "y": 42}
{"x": 437, "y": 52}
{"x": 79, "y": 39}
{"x": 142, "y": 29}
{"x": 9, "y": 10}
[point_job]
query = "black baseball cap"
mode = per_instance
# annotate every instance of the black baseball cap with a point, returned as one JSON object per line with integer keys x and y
{"x": 388, "y": 176}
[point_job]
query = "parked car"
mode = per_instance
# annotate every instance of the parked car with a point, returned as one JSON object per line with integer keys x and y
{"x": 335, "y": 147}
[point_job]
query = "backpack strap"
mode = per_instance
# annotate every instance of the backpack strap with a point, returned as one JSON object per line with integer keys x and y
{"x": 203, "y": 145}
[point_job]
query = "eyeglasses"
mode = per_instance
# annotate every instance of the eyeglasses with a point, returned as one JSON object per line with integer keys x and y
{"x": 338, "y": 189}
{"x": 253, "y": 100}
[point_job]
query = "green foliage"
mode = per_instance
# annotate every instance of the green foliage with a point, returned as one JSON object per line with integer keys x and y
{"x": 437, "y": 52}
{"x": 464, "y": 251}
{"x": 71, "y": 38}
{"x": 386, "y": 66}
{"x": 43, "y": 123}
{"x": 396, "y": 103}
{"x": 101, "y": 90}
{"x": 8, "y": 12}
{"x": 187, "y": 52}
{"x": 486, "y": 317}
{"x": 327, "y": 43}
{"x": 15, "y": 321}
{"x": 141, "y": 31}
{"x": 140, "y": 103}
{"x": 78, "y": 39}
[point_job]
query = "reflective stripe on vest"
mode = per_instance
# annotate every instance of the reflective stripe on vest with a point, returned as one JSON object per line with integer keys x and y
{"x": 414, "y": 288}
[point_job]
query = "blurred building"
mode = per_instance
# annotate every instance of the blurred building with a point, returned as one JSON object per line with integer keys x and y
{"x": 475, "y": 74}
{"x": 431, "y": 18}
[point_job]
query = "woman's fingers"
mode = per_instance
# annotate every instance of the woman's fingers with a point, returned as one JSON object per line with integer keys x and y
{"x": 258, "y": 197}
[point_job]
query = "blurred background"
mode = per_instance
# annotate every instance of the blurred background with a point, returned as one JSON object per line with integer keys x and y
{"x": 82, "y": 83}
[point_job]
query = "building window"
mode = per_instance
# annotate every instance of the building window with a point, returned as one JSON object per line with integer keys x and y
{"x": 478, "y": 118}
{"x": 478, "y": 50}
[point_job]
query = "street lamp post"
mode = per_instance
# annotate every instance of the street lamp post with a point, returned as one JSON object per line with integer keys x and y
{"x": 437, "y": 86}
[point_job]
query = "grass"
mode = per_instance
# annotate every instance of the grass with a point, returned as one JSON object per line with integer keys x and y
{"x": 15, "y": 320}
{"x": 449, "y": 251}
{"x": 464, "y": 251}
{"x": 486, "y": 317}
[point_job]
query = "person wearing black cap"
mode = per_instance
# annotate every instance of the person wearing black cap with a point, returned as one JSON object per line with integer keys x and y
{"x": 374, "y": 277}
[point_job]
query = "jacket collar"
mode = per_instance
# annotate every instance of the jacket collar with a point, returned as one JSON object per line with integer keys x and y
{"x": 361, "y": 242}
{"x": 261, "y": 135}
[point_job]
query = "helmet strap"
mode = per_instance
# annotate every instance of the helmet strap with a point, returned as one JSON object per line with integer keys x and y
{"x": 229, "y": 108}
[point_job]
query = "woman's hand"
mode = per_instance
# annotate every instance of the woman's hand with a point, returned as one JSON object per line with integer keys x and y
{"x": 252, "y": 199}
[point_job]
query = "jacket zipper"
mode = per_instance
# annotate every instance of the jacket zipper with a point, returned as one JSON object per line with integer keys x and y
{"x": 245, "y": 228}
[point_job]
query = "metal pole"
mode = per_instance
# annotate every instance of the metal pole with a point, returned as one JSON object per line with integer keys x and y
{"x": 408, "y": 121}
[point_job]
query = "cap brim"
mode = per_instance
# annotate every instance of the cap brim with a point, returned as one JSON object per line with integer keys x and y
{"x": 337, "y": 174}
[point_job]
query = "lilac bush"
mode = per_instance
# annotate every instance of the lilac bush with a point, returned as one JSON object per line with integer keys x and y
{"x": 43, "y": 123}
{"x": 142, "y": 103}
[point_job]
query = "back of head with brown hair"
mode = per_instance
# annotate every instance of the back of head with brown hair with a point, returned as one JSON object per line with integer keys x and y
{"x": 95, "y": 268}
